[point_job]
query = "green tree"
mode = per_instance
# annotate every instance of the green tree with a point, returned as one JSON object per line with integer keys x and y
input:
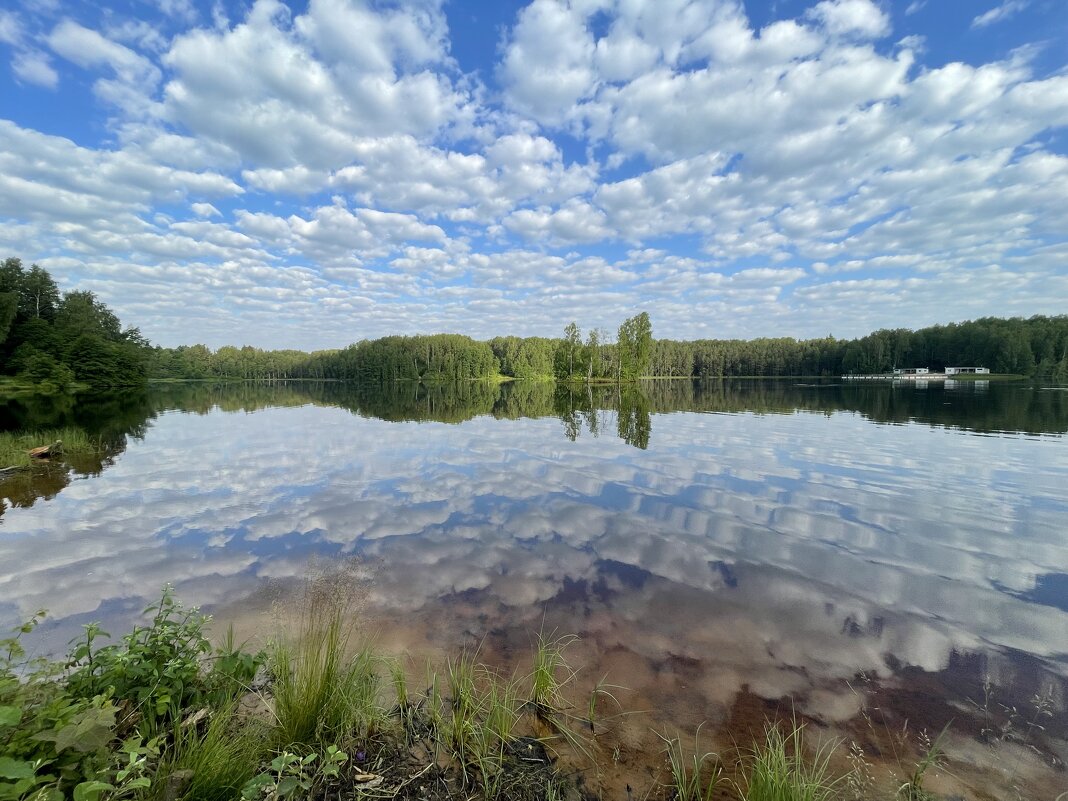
{"x": 38, "y": 294}
{"x": 9, "y": 305}
{"x": 635, "y": 344}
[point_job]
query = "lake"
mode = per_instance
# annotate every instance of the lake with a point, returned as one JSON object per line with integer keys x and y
{"x": 725, "y": 551}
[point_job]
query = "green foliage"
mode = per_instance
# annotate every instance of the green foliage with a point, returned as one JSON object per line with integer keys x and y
{"x": 51, "y": 340}
{"x": 635, "y": 343}
{"x": 9, "y": 304}
{"x": 691, "y": 779}
{"x": 54, "y": 742}
{"x": 157, "y": 668}
{"x": 294, "y": 776}
{"x": 778, "y": 769}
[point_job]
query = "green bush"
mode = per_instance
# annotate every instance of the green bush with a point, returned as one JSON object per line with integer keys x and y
{"x": 156, "y": 669}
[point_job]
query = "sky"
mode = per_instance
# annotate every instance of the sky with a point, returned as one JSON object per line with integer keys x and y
{"x": 310, "y": 173}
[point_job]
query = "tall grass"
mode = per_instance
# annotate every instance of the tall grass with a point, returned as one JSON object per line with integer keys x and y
{"x": 218, "y": 761}
{"x": 778, "y": 770}
{"x": 323, "y": 696}
{"x": 550, "y": 672}
{"x": 693, "y": 779}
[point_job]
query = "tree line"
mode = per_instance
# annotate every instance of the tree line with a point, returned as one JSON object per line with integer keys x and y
{"x": 54, "y": 340}
{"x": 1036, "y": 347}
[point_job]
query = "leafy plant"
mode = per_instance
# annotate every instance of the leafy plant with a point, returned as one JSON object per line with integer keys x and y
{"x": 157, "y": 669}
{"x": 293, "y": 776}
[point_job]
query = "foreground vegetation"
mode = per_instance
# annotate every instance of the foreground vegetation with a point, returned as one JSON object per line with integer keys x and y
{"x": 320, "y": 713}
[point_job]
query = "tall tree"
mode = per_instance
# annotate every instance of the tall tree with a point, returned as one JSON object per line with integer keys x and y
{"x": 38, "y": 294}
{"x": 635, "y": 344}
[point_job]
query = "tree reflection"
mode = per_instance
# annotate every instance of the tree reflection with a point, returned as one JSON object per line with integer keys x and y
{"x": 584, "y": 410}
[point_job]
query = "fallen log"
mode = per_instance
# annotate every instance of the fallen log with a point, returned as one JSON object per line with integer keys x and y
{"x": 46, "y": 451}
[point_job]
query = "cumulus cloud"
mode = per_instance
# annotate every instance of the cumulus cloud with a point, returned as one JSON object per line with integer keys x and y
{"x": 757, "y": 167}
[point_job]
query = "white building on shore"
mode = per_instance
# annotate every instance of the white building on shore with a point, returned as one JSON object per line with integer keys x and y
{"x": 967, "y": 371}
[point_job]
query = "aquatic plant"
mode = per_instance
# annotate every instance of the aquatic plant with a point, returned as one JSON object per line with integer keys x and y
{"x": 693, "y": 779}
{"x": 776, "y": 769}
{"x": 550, "y": 673}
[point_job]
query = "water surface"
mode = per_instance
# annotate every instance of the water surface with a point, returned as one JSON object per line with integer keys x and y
{"x": 722, "y": 549}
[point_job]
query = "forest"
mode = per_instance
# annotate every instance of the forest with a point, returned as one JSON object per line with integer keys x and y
{"x": 1035, "y": 347}
{"x": 56, "y": 341}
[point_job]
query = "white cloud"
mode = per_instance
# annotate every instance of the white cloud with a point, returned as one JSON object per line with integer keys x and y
{"x": 861, "y": 18}
{"x": 34, "y": 67}
{"x": 10, "y": 28}
{"x": 87, "y": 48}
{"x": 548, "y": 65}
{"x": 747, "y": 171}
{"x": 999, "y": 13}
{"x": 205, "y": 210}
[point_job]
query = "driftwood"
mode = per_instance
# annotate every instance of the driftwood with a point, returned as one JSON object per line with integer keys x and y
{"x": 46, "y": 451}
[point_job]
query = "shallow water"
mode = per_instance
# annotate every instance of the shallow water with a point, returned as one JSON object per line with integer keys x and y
{"x": 724, "y": 549}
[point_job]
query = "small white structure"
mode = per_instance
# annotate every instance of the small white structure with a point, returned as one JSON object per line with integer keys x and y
{"x": 911, "y": 371}
{"x": 967, "y": 371}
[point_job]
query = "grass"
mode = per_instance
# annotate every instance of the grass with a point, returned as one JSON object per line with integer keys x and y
{"x": 216, "y": 762}
{"x": 322, "y": 695}
{"x": 777, "y": 769}
{"x": 545, "y": 675}
{"x": 693, "y": 779}
{"x": 932, "y": 755}
{"x": 14, "y": 446}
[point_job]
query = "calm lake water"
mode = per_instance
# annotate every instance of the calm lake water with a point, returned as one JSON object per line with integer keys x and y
{"x": 723, "y": 549}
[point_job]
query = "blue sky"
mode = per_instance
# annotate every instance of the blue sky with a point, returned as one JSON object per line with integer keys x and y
{"x": 307, "y": 174}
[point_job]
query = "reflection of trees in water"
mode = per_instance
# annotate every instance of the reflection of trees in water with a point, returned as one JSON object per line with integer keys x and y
{"x": 110, "y": 419}
{"x": 1014, "y": 407}
{"x": 115, "y": 417}
{"x": 590, "y": 405}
